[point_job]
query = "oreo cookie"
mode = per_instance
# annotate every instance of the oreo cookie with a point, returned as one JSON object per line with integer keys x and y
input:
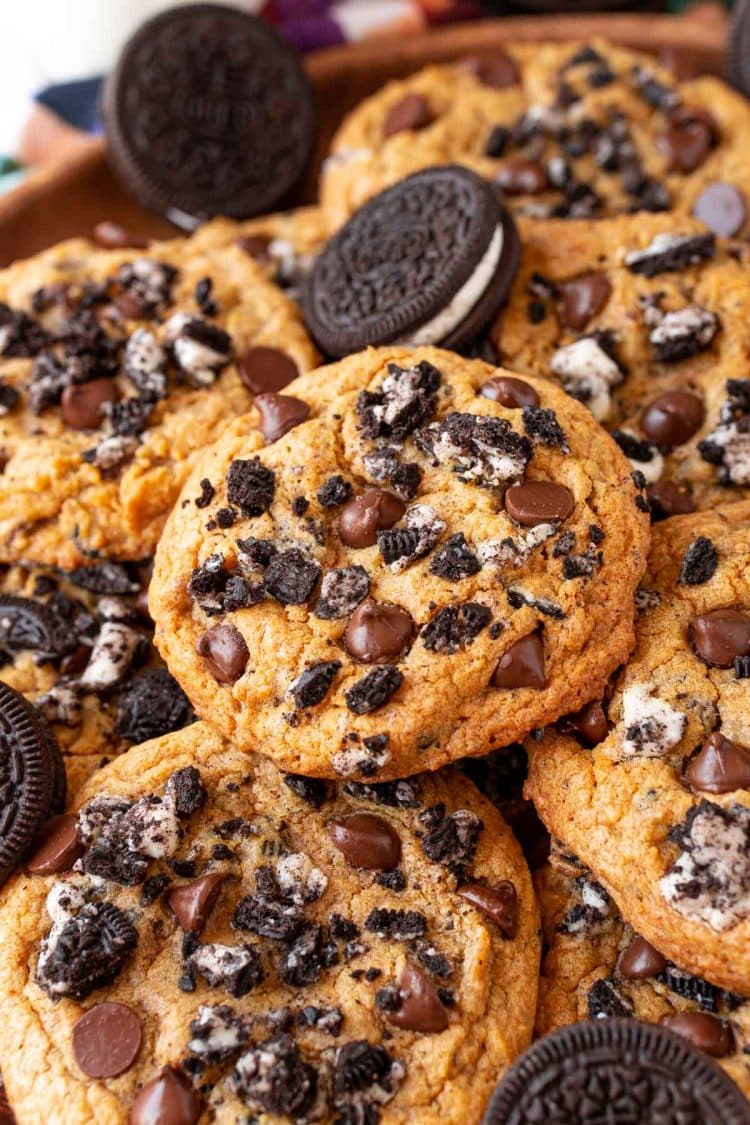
{"x": 429, "y": 261}
{"x": 619, "y": 1071}
{"x": 32, "y": 777}
{"x": 738, "y": 47}
{"x": 207, "y": 112}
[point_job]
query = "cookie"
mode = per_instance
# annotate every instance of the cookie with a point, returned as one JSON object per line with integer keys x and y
{"x": 409, "y": 568}
{"x": 566, "y": 130}
{"x": 208, "y": 112}
{"x": 595, "y": 966}
{"x": 656, "y": 798}
{"x": 115, "y": 368}
{"x": 78, "y": 646}
{"x": 33, "y": 779}
{"x": 429, "y": 261}
{"x": 275, "y": 946}
{"x": 644, "y": 320}
{"x": 616, "y": 1071}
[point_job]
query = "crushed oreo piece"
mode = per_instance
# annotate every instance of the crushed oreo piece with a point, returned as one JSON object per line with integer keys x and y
{"x": 373, "y": 690}
{"x": 454, "y": 560}
{"x": 278, "y": 921}
{"x": 413, "y": 538}
{"x": 328, "y": 1020}
{"x": 217, "y": 1033}
{"x": 696, "y": 989}
{"x": 147, "y": 283}
{"x": 334, "y": 492}
{"x": 450, "y": 839}
{"x": 87, "y": 951}
{"x": 237, "y": 968}
{"x": 291, "y": 576}
{"x": 728, "y": 445}
{"x": 699, "y": 562}
{"x": 479, "y": 449}
{"x": 313, "y": 684}
{"x": 405, "y": 400}
{"x": 200, "y": 349}
{"x": 605, "y": 1001}
{"x": 455, "y": 627}
{"x": 542, "y": 425}
{"x": 382, "y": 465}
{"x": 104, "y": 578}
{"x": 667, "y": 252}
{"x": 365, "y": 1077}
{"x": 273, "y": 1078}
{"x": 341, "y": 591}
{"x": 115, "y": 648}
{"x": 518, "y": 597}
{"x": 709, "y": 881}
{"x": 402, "y": 794}
{"x": 399, "y": 925}
{"x": 594, "y": 912}
{"x": 683, "y": 333}
{"x": 144, "y": 362}
{"x": 186, "y": 788}
{"x": 151, "y": 704}
{"x": 304, "y": 959}
{"x": 250, "y": 486}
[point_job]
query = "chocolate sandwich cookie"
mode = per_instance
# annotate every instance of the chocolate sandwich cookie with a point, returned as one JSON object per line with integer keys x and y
{"x": 618, "y": 1071}
{"x": 657, "y": 801}
{"x": 208, "y": 112}
{"x": 596, "y": 966}
{"x": 414, "y": 571}
{"x": 33, "y": 779}
{"x": 430, "y": 261}
{"x": 651, "y": 337}
{"x": 116, "y": 366}
{"x": 237, "y": 943}
{"x": 78, "y": 646}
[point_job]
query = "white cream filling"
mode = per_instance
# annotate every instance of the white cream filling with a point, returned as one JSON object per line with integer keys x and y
{"x": 464, "y": 300}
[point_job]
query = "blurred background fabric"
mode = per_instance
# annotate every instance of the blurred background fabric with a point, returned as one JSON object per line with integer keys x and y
{"x": 56, "y": 52}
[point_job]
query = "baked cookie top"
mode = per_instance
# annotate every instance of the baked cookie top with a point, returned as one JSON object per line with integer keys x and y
{"x": 115, "y": 368}
{"x": 655, "y": 795}
{"x": 78, "y": 645}
{"x": 285, "y": 948}
{"x": 595, "y": 966}
{"x": 645, "y": 319}
{"x": 407, "y": 558}
{"x": 567, "y": 130}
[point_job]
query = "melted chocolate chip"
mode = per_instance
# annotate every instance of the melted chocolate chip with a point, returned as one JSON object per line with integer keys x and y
{"x": 672, "y": 418}
{"x": 705, "y": 1031}
{"x": 691, "y": 135}
{"x": 667, "y": 498}
{"x": 497, "y": 70}
{"x": 193, "y": 902}
{"x": 279, "y": 414}
{"x": 589, "y": 724}
{"x": 378, "y": 632}
{"x": 721, "y": 766}
{"x": 420, "y": 1008}
{"x": 498, "y": 902}
{"x": 106, "y": 1040}
{"x": 522, "y": 177}
{"x": 641, "y": 960}
{"x": 411, "y": 112}
{"x": 538, "y": 501}
{"x": 365, "y": 515}
{"x": 57, "y": 848}
{"x": 265, "y": 369}
{"x": 367, "y": 841}
{"x": 225, "y": 652}
{"x": 510, "y": 392}
{"x": 721, "y": 635}
{"x": 522, "y": 665}
{"x": 583, "y": 297}
{"x": 168, "y": 1099}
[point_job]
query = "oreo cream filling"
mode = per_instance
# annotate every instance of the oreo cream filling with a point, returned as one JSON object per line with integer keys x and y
{"x": 469, "y": 295}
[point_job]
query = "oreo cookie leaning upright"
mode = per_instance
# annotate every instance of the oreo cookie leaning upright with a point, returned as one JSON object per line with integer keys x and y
{"x": 207, "y": 112}
{"x": 32, "y": 777}
{"x": 429, "y": 261}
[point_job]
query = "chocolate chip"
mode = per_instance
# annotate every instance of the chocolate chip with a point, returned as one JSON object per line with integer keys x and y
{"x": 721, "y": 635}
{"x": 264, "y": 369}
{"x": 419, "y": 1007}
{"x": 313, "y": 684}
{"x": 334, "y": 492}
{"x": 378, "y": 632}
{"x": 57, "y": 848}
{"x": 193, "y": 902}
{"x": 589, "y": 724}
{"x": 510, "y": 392}
{"x": 411, "y": 112}
{"x": 250, "y": 486}
{"x": 672, "y": 418}
{"x": 538, "y": 501}
{"x": 522, "y": 177}
{"x": 721, "y": 766}
{"x": 291, "y": 576}
{"x": 106, "y": 1040}
{"x": 168, "y": 1099}
{"x": 722, "y": 208}
{"x": 699, "y": 562}
{"x": 705, "y": 1031}
{"x": 455, "y": 627}
{"x": 691, "y": 135}
{"x": 498, "y": 902}
{"x": 279, "y": 414}
{"x": 583, "y": 297}
{"x": 373, "y": 690}
{"x": 455, "y": 560}
{"x": 367, "y": 841}
{"x": 497, "y": 70}
{"x": 365, "y": 515}
{"x": 641, "y": 960}
{"x": 522, "y": 665}
{"x": 225, "y": 652}
{"x": 82, "y": 404}
{"x": 667, "y": 498}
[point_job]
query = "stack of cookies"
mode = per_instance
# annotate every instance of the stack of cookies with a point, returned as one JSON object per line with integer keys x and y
{"x": 331, "y": 541}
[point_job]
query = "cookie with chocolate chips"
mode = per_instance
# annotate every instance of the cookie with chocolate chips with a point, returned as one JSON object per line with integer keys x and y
{"x": 650, "y": 337}
{"x": 78, "y": 646}
{"x": 425, "y": 612}
{"x": 595, "y": 966}
{"x": 656, "y": 801}
{"x": 116, "y": 367}
{"x": 573, "y": 131}
{"x": 224, "y": 948}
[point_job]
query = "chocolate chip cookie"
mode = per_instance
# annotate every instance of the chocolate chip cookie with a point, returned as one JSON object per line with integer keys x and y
{"x": 408, "y": 557}
{"x": 651, "y": 786}
{"x": 115, "y": 368}
{"x": 645, "y": 320}
{"x": 596, "y": 966}
{"x": 78, "y": 646}
{"x": 233, "y": 942}
{"x": 567, "y": 130}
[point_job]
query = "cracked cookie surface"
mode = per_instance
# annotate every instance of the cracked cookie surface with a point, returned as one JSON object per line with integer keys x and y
{"x": 116, "y": 368}
{"x": 285, "y": 948}
{"x": 406, "y": 572}
{"x": 655, "y": 798}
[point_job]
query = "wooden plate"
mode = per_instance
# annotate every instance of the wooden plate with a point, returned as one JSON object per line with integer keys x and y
{"x": 70, "y": 197}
